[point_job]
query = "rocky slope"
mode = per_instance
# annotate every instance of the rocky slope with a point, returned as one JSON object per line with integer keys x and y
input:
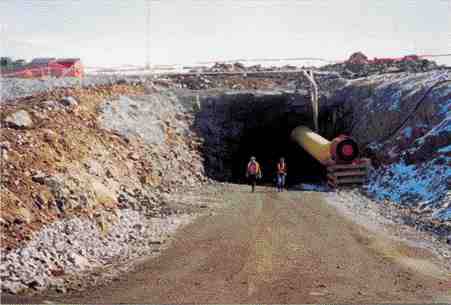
{"x": 403, "y": 122}
{"x": 86, "y": 174}
{"x": 358, "y": 66}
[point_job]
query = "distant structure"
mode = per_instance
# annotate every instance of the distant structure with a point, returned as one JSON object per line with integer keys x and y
{"x": 358, "y": 58}
{"x": 42, "y": 61}
{"x": 148, "y": 35}
{"x": 45, "y": 67}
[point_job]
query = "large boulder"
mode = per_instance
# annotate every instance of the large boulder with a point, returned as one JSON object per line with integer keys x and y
{"x": 19, "y": 119}
{"x": 13, "y": 287}
{"x": 79, "y": 261}
{"x": 69, "y": 101}
{"x": 358, "y": 58}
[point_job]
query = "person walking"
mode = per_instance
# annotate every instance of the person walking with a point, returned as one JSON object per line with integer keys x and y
{"x": 281, "y": 174}
{"x": 253, "y": 172}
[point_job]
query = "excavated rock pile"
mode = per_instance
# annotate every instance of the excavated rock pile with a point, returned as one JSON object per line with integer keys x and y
{"x": 352, "y": 69}
{"x": 84, "y": 173}
{"x": 13, "y": 88}
{"x": 403, "y": 122}
{"x": 327, "y": 82}
{"x": 239, "y": 67}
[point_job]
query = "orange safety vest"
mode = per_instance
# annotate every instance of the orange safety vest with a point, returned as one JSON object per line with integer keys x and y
{"x": 253, "y": 168}
{"x": 281, "y": 168}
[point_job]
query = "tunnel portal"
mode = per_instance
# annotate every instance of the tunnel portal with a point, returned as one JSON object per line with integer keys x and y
{"x": 237, "y": 126}
{"x": 268, "y": 144}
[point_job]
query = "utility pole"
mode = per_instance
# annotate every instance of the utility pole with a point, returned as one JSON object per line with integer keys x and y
{"x": 148, "y": 34}
{"x": 314, "y": 96}
{"x": 2, "y": 30}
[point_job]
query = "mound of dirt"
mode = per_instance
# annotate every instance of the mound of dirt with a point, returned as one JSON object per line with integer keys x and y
{"x": 403, "y": 122}
{"x": 104, "y": 156}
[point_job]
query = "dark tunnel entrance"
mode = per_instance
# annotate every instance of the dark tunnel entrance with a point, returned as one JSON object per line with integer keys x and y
{"x": 235, "y": 127}
{"x": 268, "y": 144}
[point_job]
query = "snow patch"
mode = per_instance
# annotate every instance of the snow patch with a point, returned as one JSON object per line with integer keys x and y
{"x": 414, "y": 184}
{"x": 446, "y": 149}
{"x": 312, "y": 187}
{"x": 407, "y": 132}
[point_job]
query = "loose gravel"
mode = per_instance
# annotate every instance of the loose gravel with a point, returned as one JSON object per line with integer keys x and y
{"x": 386, "y": 219}
{"x": 75, "y": 246}
{"x": 13, "y": 88}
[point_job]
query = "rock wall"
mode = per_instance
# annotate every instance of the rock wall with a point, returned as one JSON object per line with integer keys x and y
{"x": 86, "y": 173}
{"x": 403, "y": 122}
{"x": 230, "y": 120}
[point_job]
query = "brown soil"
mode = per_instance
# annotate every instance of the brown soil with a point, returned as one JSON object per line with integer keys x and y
{"x": 57, "y": 139}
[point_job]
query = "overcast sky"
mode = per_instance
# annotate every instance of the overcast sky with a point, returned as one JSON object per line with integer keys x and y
{"x": 113, "y": 32}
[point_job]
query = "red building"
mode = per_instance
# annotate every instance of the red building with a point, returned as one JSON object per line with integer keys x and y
{"x": 43, "y": 67}
{"x": 69, "y": 67}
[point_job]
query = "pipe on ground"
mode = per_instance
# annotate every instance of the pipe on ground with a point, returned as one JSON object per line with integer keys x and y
{"x": 342, "y": 149}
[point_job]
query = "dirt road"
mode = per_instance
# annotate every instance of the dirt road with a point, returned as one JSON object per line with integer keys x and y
{"x": 289, "y": 247}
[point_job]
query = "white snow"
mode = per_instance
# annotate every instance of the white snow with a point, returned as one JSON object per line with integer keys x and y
{"x": 312, "y": 187}
{"x": 443, "y": 127}
{"x": 407, "y": 132}
{"x": 413, "y": 184}
{"x": 446, "y": 149}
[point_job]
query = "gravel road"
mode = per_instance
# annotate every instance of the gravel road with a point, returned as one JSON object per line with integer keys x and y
{"x": 271, "y": 247}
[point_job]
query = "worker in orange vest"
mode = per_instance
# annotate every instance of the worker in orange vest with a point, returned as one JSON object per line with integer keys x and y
{"x": 281, "y": 174}
{"x": 253, "y": 172}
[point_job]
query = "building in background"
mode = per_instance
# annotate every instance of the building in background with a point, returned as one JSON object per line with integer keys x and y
{"x": 45, "y": 67}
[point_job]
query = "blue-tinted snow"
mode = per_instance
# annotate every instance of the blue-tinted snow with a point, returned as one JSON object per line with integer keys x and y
{"x": 443, "y": 214}
{"x": 446, "y": 149}
{"x": 412, "y": 184}
{"x": 407, "y": 132}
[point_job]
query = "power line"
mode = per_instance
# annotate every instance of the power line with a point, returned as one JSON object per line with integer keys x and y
{"x": 148, "y": 34}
